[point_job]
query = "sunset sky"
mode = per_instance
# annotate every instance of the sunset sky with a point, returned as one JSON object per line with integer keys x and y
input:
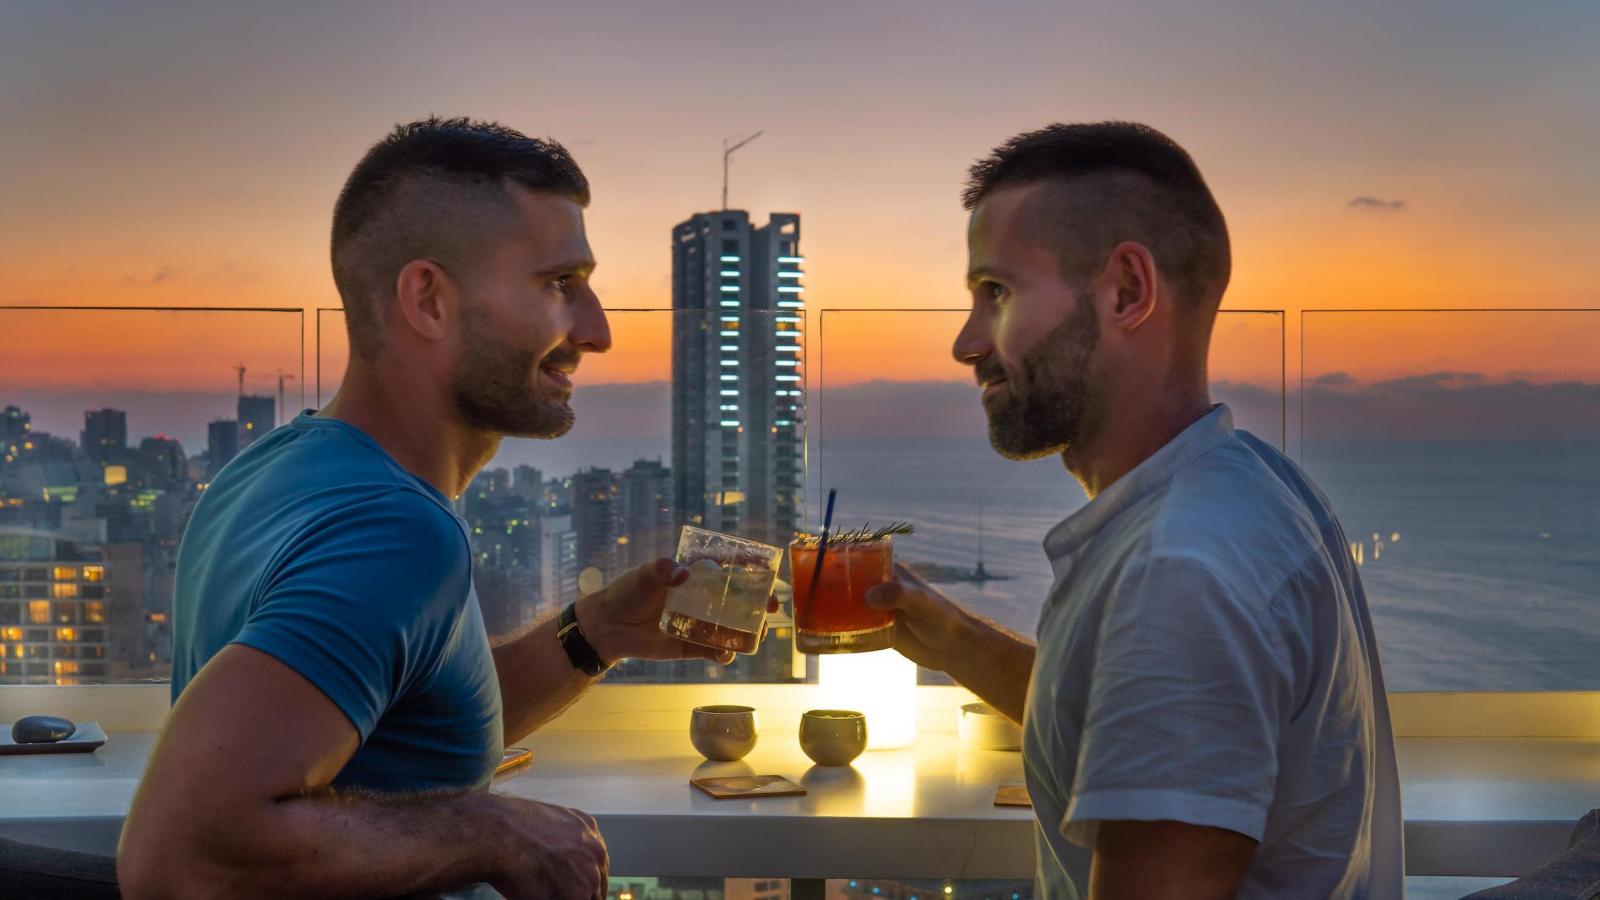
{"x": 177, "y": 155}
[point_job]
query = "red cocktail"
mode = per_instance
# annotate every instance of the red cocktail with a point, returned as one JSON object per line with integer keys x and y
{"x": 833, "y": 616}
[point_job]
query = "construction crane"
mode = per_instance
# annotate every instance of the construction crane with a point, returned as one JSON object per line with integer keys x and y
{"x": 240, "y": 369}
{"x": 727, "y": 151}
{"x": 282, "y": 377}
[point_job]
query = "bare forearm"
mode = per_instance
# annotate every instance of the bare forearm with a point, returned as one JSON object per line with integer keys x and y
{"x": 993, "y": 662}
{"x": 537, "y": 680}
{"x": 326, "y": 845}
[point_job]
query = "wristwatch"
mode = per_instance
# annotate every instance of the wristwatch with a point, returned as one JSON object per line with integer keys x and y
{"x": 582, "y": 654}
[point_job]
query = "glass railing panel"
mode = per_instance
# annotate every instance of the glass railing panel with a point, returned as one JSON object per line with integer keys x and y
{"x": 691, "y": 417}
{"x": 902, "y": 436}
{"x": 1460, "y": 449}
{"x": 112, "y": 421}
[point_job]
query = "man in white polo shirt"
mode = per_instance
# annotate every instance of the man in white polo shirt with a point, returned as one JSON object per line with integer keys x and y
{"x": 1203, "y": 711}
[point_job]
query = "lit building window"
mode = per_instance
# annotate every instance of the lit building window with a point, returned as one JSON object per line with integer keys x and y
{"x": 793, "y": 259}
{"x": 39, "y": 612}
{"x": 788, "y": 274}
{"x": 788, "y": 378}
{"x": 66, "y": 634}
{"x": 790, "y": 304}
{"x": 94, "y": 573}
{"x": 94, "y": 612}
{"x": 730, "y": 378}
{"x": 733, "y": 303}
{"x": 730, "y": 289}
{"x": 65, "y": 591}
{"x": 790, "y": 289}
{"x": 64, "y": 573}
{"x": 729, "y": 259}
{"x": 729, "y": 393}
{"x": 729, "y": 333}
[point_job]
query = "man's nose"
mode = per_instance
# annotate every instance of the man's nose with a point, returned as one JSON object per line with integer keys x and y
{"x": 974, "y": 342}
{"x": 591, "y": 332}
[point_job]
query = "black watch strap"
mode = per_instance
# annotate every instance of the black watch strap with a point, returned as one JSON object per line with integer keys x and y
{"x": 579, "y": 650}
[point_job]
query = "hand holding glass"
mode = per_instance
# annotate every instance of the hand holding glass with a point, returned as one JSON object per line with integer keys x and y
{"x": 724, "y": 602}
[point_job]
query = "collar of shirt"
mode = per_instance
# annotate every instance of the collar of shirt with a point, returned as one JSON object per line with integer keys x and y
{"x": 1067, "y": 537}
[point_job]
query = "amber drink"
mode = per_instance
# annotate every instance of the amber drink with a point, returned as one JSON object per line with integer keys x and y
{"x": 724, "y": 602}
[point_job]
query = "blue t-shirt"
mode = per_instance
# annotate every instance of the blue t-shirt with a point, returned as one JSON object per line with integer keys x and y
{"x": 315, "y": 547}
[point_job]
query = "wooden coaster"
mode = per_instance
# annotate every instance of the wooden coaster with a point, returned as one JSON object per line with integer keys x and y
{"x": 1012, "y": 795}
{"x": 739, "y": 786}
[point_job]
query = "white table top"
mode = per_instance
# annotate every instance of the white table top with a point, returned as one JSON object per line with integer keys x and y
{"x": 1473, "y": 805}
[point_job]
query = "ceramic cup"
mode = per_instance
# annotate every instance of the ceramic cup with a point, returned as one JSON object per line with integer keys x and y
{"x": 981, "y": 726}
{"x": 833, "y": 737}
{"x": 723, "y": 733}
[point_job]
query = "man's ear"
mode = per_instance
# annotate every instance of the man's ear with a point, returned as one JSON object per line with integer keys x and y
{"x": 425, "y": 296}
{"x": 1131, "y": 273}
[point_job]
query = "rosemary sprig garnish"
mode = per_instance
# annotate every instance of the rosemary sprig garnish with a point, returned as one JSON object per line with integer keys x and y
{"x": 862, "y": 535}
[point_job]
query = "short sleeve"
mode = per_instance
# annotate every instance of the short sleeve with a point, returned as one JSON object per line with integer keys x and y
{"x": 1186, "y": 704}
{"x": 362, "y": 603}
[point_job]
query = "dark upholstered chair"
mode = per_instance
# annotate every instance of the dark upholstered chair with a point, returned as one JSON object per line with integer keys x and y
{"x": 1574, "y": 874}
{"x": 45, "y": 873}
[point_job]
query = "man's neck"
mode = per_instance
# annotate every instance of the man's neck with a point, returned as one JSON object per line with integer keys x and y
{"x": 413, "y": 425}
{"x": 1127, "y": 434}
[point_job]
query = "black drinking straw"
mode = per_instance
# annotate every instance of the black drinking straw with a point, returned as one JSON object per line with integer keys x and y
{"x": 822, "y": 548}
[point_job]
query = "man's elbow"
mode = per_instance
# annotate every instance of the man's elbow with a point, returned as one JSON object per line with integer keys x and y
{"x": 159, "y": 871}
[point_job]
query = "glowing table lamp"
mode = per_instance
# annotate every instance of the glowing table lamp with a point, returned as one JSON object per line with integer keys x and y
{"x": 882, "y": 685}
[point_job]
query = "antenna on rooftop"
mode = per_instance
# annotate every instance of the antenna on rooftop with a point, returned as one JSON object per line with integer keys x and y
{"x": 727, "y": 151}
{"x": 240, "y": 369}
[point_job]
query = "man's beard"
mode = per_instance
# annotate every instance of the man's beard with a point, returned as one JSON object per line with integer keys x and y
{"x": 1044, "y": 408}
{"x": 496, "y": 386}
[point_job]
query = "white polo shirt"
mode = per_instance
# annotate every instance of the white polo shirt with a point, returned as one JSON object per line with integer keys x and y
{"x": 1206, "y": 656}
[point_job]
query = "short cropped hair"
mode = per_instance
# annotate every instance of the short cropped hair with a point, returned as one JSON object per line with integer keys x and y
{"x": 1140, "y": 186}
{"x": 426, "y": 192}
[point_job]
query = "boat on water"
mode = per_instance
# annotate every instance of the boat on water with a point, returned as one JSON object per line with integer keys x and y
{"x": 939, "y": 573}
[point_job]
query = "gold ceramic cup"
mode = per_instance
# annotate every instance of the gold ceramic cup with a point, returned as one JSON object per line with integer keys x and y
{"x": 833, "y": 737}
{"x": 723, "y": 733}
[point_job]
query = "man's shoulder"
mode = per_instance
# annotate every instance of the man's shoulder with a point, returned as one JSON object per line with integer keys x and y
{"x": 321, "y": 479}
{"x": 1232, "y": 515}
{"x": 402, "y": 508}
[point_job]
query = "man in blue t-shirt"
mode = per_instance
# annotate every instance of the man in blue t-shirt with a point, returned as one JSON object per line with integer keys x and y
{"x": 336, "y": 699}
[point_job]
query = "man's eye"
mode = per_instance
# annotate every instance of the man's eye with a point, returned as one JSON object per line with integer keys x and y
{"x": 993, "y": 291}
{"x": 563, "y": 284}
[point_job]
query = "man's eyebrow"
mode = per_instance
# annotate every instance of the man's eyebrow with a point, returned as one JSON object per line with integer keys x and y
{"x": 979, "y": 273}
{"x": 583, "y": 266}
